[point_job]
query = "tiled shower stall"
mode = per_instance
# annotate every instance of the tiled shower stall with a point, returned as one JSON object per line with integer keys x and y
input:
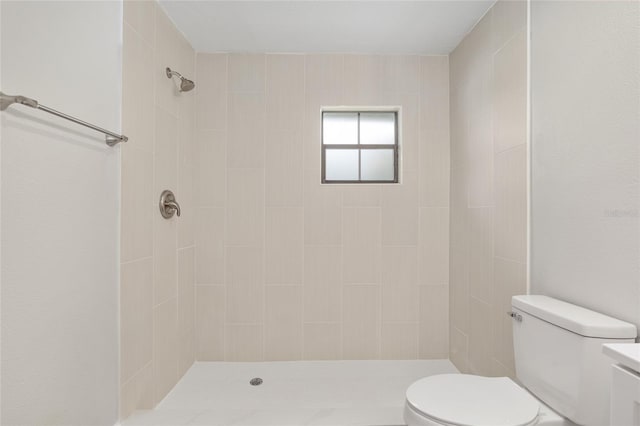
{"x": 268, "y": 264}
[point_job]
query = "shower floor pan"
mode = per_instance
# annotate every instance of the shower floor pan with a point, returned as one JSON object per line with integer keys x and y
{"x": 327, "y": 393}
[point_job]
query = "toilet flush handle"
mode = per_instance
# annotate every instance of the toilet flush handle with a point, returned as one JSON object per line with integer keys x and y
{"x": 516, "y": 316}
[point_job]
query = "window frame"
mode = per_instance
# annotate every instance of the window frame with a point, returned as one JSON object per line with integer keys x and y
{"x": 360, "y": 147}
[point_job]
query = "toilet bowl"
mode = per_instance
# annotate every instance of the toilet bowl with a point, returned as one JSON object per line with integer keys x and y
{"x": 558, "y": 359}
{"x": 468, "y": 400}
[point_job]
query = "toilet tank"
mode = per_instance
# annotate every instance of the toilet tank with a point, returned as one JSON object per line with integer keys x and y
{"x": 558, "y": 355}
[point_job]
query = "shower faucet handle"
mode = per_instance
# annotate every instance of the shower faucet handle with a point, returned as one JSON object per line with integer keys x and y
{"x": 168, "y": 204}
{"x": 174, "y": 206}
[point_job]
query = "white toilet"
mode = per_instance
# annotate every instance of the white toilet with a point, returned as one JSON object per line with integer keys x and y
{"x": 559, "y": 361}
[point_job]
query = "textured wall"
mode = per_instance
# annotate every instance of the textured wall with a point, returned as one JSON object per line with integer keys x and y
{"x": 157, "y": 255}
{"x": 585, "y": 84}
{"x": 60, "y": 201}
{"x": 287, "y": 268}
{"x": 488, "y": 188}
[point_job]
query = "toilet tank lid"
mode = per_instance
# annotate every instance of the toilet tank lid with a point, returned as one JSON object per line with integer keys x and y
{"x": 574, "y": 318}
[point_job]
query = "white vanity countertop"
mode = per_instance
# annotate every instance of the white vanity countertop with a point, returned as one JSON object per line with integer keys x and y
{"x": 627, "y": 354}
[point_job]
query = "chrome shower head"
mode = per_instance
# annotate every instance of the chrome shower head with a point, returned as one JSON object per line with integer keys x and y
{"x": 185, "y": 83}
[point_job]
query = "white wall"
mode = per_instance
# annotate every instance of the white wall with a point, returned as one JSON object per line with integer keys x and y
{"x": 60, "y": 203}
{"x": 586, "y": 154}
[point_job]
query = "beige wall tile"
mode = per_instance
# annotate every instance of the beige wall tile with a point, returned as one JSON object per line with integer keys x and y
{"x": 165, "y": 176}
{"x": 137, "y": 392}
{"x": 434, "y": 131}
{"x": 165, "y": 348}
{"x": 434, "y": 312}
{"x": 458, "y": 215}
{"x": 186, "y": 290}
{"x": 211, "y": 174}
{"x": 210, "y": 246}
{"x": 324, "y": 72}
{"x": 322, "y": 303}
{"x": 186, "y": 130}
{"x": 283, "y": 323}
{"x": 400, "y": 73}
{"x": 141, "y": 15}
{"x": 157, "y": 293}
{"x": 360, "y": 195}
{"x": 245, "y": 207}
{"x": 185, "y": 189}
{"x": 243, "y": 342}
{"x": 165, "y": 166}
{"x": 458, "y": 158}
{"x": 245, "y": 284}
{"x": 474, "y": 180}
{"x": 403, "y": 195}
{"x": 400, "y": 303}
{"x": 246, "y": 72}
{"x": 137, "y": 205}
{"x": 284, "y": 174}
{"x": 510, "y": 93}
{"x": 400, "y": 226}
{"x": 480, "y": 45}
{"x": 434, "y": 84}
{"x": 480, "y": 169}
{"x": 284, "y": 245}
{"x": 363, "y": 79}
{"x": 322, "y": 283}
{"x": 508, "y": 17}
{"x": 273, "y": 190}
{"x": 481, "y": 282}
{"x": 398, "y": 341}
{"x": 480, "y": 337}
{"x": 399, "y": 266}
{"x": 361, "y": 322}
{"x": 511, "y": 204}
{"x": 459, "y": 289}
{"x": 211, "y": 96}
{"x": 322, "y": 266}
{"x": 361, "y": 245}
{"x": 165, "y": 270}
{"x": 136, "y": 318}
{"x": 400, "y": 217}
{"x": 500, "y": 370}
{"x": 458, "y": 349}
{"x": 285, "y": 76}
{"x": 168, "y": 45}
{"x": 409, "y": 131}
{"x": 434, "y": 173}
{"x": 434, "y": 245}
{"x": 322, "y": 213}
{"x": 511, "y": 280}
{"x": 138, "y": 96}
{"x": 186, "y": 351}
{"x": 246, "y": 130}
{"x": 322, "y": 341}
{"x": 210, "y": 314}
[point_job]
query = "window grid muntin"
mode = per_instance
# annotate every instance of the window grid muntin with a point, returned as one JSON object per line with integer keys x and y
{"x": 360, "y": 147}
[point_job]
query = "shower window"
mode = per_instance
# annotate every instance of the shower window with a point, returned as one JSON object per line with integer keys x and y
{"x": 359, "y": 146}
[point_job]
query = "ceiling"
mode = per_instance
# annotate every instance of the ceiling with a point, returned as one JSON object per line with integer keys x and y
{"x": 308, "y": 26}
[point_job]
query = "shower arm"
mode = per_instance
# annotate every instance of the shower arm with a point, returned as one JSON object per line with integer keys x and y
{"x": 111, "y": 138}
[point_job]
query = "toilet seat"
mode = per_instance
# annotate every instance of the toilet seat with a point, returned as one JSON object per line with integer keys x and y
{"x": 467, "y": 400}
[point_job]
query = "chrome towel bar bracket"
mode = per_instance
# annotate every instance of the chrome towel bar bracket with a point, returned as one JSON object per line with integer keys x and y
{"x": 111, "y": 138}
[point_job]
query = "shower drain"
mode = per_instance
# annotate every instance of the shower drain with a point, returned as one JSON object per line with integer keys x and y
{"x": 256, "y": 381}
